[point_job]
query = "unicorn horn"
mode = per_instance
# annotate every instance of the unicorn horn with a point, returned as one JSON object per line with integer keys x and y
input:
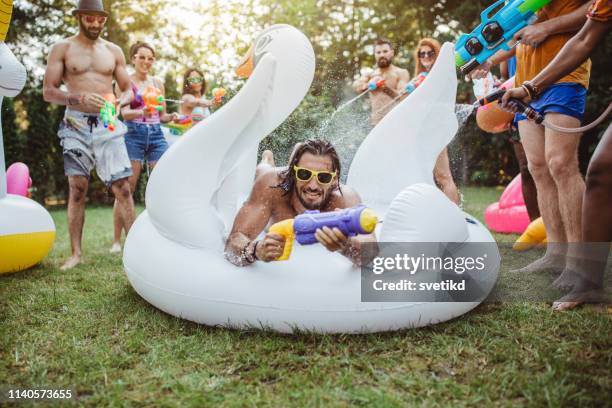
{"x": 6, "y": 10}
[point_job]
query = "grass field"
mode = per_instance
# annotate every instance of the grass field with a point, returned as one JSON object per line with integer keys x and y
{"x": 86, "y": 329}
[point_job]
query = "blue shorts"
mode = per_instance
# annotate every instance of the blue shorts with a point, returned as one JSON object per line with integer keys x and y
{"x": 566, "y": 98}
{"x": 145, "y": 142}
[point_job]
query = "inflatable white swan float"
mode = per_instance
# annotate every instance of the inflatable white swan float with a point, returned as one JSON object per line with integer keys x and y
{"x": 173, "y": 254}
{"x": 27, "y": 230}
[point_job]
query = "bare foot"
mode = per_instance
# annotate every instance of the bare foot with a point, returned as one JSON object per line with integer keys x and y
{"x": 552, "y": 262}
{"x": 576, "y": 298}
{"x": 115, "y": 248}
{"x": 566, "y": 280}
{"x": 73, "y": 261}
{"x": 267, "y": 157}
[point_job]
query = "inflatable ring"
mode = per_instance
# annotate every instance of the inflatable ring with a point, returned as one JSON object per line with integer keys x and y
{"x": 187, "y": 218}
{"x": 509, "y": 215}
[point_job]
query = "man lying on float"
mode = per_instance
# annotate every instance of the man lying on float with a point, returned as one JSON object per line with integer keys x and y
{"x": 309, "y": 182}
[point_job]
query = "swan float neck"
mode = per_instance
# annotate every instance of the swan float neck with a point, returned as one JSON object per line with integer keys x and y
{"x": 196, "y": 187}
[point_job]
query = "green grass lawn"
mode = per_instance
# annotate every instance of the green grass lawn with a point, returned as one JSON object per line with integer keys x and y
{"x": 86, "y": 329}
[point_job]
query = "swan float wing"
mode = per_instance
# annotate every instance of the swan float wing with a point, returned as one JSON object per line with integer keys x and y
{"x": 402, "y": 149}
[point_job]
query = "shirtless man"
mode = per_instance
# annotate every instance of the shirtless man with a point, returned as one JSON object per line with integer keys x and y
{"x": 310, "y": 182}
{"x": 395, "y": 78}
{"x": 86, "y": 65}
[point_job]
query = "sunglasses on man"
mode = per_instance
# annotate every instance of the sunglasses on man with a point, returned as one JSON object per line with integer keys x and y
{"x": 305, "y": 175}
{"x": 424, "y": 54}
{"x": 92, "y": 18}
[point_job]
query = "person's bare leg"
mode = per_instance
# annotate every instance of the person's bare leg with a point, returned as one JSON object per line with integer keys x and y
{"x": 266, "y": 163}
{"x": 444, "y": 177}
{"x": 530, "y": 193}
{"x": 76, "y": 217}
{"x": 117, "y": 221}
{"x": 125, "y": 203}
{"x": 596, "y": 231}
{"x": 532, "y": 137}
{"x": 562, "y": 159}
{"x": 117, "y": 228}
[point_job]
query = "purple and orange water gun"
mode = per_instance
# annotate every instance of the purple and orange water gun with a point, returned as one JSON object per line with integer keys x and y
{"x": 351, "y": 221}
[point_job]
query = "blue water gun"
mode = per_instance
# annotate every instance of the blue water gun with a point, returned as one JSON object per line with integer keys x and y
{"x": 494, "y": 33}
{"x": 351, "y": 221}
{"x": 415, "y": 83}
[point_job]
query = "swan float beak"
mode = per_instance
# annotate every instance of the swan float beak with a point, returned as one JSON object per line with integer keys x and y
{"x": 247, "y": 65}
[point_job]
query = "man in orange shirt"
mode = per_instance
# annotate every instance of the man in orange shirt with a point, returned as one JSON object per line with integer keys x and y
{"x": 586, "y": 280}
{"x": 553, "y": 156}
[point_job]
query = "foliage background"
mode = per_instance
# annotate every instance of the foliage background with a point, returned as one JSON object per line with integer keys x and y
{"x": 214, "y": 34}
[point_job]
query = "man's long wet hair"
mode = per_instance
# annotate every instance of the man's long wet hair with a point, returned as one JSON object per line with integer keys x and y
{"x": 316, "y": 147}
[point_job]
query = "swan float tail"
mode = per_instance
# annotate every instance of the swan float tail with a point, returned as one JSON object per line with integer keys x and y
{"x": 402, "y": 149}
{"x": 194, "y": 192}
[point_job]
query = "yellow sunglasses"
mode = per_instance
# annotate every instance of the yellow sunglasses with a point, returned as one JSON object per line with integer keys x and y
{"x": 304, "y": 174}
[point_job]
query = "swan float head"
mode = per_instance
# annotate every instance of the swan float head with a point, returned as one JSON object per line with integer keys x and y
{"x": 196, "y": 187}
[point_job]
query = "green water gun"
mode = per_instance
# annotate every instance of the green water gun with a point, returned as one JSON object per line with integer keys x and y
{"x": 108, "y": 113}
